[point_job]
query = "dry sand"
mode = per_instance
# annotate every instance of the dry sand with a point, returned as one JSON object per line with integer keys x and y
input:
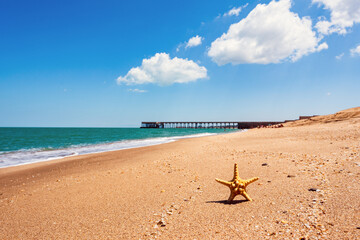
{"x": 169, "y": 191}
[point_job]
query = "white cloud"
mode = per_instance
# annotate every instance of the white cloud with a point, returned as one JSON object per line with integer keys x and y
{"x": 343, "y": 15}
{"x": 194, "y": 41}
{"x": 322, "y": 46}
{"x": 162, "y": 70}
{"x": 355, "y": 51}
{"x": 269, "y": 34}
{"x": 235, "y": 11}
{"x": 340, "y": 56}
{"x": 136, "y": 90}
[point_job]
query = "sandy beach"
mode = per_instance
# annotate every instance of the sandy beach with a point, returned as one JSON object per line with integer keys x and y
{"x": 308, "y": 188}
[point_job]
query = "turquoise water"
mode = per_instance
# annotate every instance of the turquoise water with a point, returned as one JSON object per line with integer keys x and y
{"x": 26, "y": 145}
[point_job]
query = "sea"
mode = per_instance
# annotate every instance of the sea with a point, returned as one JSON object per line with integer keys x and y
{"x": 20, "y": 146}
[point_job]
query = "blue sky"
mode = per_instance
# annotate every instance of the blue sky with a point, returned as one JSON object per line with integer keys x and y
{"x": 117, "y": 63}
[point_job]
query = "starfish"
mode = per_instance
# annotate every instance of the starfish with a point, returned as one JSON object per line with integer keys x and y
{"x": 237, "y": 185}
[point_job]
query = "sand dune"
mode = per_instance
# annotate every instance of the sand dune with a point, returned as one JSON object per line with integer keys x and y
{"x": 352, "y": 114}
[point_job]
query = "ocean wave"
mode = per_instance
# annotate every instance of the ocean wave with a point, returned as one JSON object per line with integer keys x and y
{"x": 27, "y": 156}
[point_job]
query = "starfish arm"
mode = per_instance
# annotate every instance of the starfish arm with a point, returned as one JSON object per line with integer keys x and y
{"x": 236, "y": 172}
{"x": 232, "y": 196}
{"x": 246, "y": 196}
{"x": 226, "y": 183}
{"x": 247, "y": 182}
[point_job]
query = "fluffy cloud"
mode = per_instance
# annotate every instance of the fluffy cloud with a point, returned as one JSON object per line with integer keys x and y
{"x": 235, "y": 11}
{"x": 269, "y": 34}
{"x": 355, "y": 51}
{"x": 162, "y": 70}
{"x": 343, "y": 14}
{"x": 194, "y": 41}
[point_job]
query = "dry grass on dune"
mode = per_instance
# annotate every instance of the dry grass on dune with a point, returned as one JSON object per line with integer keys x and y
{"x": 352, "y": 114}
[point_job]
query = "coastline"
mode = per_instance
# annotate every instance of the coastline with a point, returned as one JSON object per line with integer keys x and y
{"x": 94, "y": 155}
{"x": 127, "y": 193}
{"x": 30, "y": 156}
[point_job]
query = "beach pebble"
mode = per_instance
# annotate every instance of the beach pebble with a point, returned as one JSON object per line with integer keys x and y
{"x": 176, "y": 207}
{"x": 264, "y": 164}
{"x": 161, "y": 223}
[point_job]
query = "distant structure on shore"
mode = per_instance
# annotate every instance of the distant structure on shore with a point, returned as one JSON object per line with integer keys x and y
{"x": 301, "y": 118}
{"x": 220, "y": 125}
{"x": 307, "y": 117}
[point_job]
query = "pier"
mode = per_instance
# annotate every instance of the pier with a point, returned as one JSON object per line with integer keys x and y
{"x": 220, "y": 125}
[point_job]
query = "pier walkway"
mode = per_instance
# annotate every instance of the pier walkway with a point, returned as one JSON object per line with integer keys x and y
{"x": 224, "y": 125}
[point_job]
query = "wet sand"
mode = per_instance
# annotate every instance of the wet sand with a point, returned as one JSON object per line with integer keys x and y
{"x": 309, "y": 187}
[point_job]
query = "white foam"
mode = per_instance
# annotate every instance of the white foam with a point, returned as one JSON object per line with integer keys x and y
{"x": 37, "y": 155}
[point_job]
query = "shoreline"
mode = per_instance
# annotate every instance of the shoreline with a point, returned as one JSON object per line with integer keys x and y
{"x": 79, "y": 150}
{"x": 168, "y": 191}
{"x": 80, "y": 157}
